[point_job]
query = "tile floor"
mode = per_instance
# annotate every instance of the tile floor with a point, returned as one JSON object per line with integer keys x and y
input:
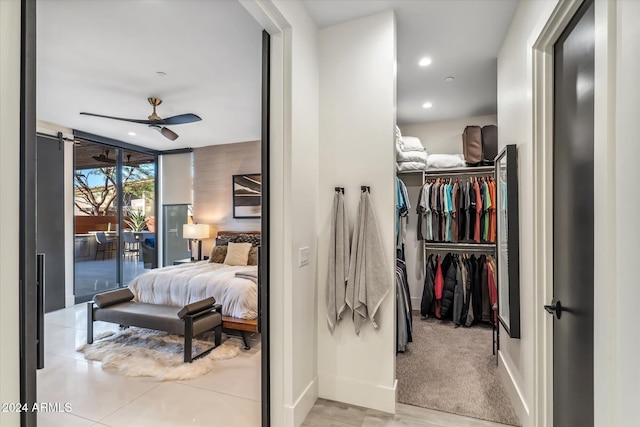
{"x": 326, "y": 413}
{"x": 229, "y": 396}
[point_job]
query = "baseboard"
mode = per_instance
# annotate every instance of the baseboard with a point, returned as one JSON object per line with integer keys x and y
{"x": 296, "y": 413}
{"x": 69, "y": 300}
{"x": 513, "y": 391}
{"x": 368, "y": 395}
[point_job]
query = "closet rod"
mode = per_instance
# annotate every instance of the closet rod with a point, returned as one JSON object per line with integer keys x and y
{"x": 481, "y": 170}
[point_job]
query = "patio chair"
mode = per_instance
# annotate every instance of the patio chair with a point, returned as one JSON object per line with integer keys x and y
{"x": 131, "y": 244}
{"x": 105, "y": 244}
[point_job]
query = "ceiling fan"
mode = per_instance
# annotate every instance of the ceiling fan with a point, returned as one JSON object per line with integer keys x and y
{"x": 156, "y": 122}
{"x": 104, "y": 158}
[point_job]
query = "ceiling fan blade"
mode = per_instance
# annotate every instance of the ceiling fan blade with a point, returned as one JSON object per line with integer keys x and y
{"x": 174, "y": 120}
{"x": 144, "y": 122}
{"x": 179, "y": 120}
{"x": 168, "y": 133}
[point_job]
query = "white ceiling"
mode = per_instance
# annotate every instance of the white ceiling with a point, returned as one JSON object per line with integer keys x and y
{"x": 462, "y": 37}
{"x": 102, "y": 57}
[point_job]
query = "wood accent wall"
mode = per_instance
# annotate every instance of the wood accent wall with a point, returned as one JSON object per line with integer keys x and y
{"x": 212, "y": 193}
{"x": 85, "y": 224}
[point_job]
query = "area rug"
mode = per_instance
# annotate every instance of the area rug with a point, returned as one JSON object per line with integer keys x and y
{"x": 453, "y": 370}
{"x": 137, "y": 352}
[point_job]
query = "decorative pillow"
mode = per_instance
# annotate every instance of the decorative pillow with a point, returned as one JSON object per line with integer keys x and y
{"x": 253, "y": 256}
{"x": 237, "y": 253}
{"x": 218, "y": 254}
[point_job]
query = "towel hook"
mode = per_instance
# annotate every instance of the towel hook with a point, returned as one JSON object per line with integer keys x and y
{"x": 365, "y": 189}
{"x": 339, "y": 190}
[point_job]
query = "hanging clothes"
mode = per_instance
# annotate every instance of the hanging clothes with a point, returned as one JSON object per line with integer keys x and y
{"x": 338, "y": 261}
{"x": 368, "y": 280}
{"x": 402, "y": 216}
{"x": 458, "y": 211}
{"x": 461, "y": 288}
{"x": 404, "y": 325}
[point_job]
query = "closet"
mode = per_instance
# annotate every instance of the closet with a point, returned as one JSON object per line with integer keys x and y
{"x": 446, "y": 237}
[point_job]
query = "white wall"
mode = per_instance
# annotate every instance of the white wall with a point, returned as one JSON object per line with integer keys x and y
{"x": 213, "y": 168}
{"x": 357, "y": 117}
{"x": 445, "y": 136}
{"x": 627, "y": 153}
{"x": 176, "y": 179}
{"x": 515, "y": 112}
{"x": 10, "y": 196}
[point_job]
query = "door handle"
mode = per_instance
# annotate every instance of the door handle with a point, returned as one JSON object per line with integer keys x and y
{"x": 554, "y": 308}
{"x": 40, "y": 283}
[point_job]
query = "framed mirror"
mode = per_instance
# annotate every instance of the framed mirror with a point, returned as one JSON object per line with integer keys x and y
{"x": 508, "y": 240}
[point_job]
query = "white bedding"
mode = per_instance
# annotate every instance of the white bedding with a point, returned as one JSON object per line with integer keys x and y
{"x": 179, "y": 285}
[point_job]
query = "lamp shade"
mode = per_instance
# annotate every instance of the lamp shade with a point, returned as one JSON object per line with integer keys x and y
{"x": 195, "y": 231}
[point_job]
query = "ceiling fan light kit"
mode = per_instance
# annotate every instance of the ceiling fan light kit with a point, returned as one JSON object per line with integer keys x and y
{"x": 155, "y": 121}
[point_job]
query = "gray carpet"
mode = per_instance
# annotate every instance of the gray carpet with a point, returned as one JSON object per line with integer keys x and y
{"x": 453, "y": 370}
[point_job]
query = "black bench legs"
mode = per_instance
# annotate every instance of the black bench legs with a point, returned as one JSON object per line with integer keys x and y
{"x": 189, "y": 321}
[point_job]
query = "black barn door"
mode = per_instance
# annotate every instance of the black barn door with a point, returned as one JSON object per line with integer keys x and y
{"x": 573, "y": 222}
{"x": 50, "y": 236}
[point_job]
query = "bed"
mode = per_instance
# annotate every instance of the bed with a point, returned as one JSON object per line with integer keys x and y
{"x": 235, "y": 287}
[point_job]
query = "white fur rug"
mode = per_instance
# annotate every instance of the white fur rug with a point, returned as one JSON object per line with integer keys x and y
{"x": 137, "y": 352}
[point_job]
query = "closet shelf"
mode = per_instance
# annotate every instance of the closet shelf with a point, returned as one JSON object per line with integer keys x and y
{"x": 462, "y": 247}
{"x": 479, "y": 170}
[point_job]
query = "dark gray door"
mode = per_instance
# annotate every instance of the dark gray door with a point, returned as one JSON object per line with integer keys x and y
{"x": 573, "y": 219}
{"x": 50, "y": 219}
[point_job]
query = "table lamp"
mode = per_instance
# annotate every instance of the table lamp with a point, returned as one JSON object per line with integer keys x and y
{"x": 196, "y": 232}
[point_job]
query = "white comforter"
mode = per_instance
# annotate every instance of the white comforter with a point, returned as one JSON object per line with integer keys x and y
{"x": 179, "y": 285}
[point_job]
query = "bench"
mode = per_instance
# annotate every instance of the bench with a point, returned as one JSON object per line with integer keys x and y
{"x": 191, "y": 320}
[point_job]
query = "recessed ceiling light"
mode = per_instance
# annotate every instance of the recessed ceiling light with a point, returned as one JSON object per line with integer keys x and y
{"x": 132, "y": 134}
{"x": 161, "y": 73}
{"x": 425, "y": 61}
{"x": 427, "y": 105}
{"x": 449, "y": 79}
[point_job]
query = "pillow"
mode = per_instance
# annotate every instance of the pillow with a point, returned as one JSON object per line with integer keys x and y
{"x": 444, "y": 161}
{"x": 411, "y": 143}
{"x": 218, "y": 254}
{"x": 253, "y": 256}
{"x": 237, "y": 253}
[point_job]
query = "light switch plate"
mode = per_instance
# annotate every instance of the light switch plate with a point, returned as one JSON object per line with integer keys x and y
{"x": 303, "y": 257}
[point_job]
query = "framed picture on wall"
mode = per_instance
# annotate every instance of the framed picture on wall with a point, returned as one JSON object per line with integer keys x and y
{"x": 247, "y": 189}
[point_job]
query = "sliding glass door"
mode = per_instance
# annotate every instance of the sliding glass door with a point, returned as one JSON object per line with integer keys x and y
{"x": 114, "y": 210}
{"x": 138, "y": 214}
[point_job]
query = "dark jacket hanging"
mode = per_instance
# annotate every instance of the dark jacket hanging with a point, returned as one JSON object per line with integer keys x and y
{"x": 449, "y": 272}
{"x": 426, "y": 304}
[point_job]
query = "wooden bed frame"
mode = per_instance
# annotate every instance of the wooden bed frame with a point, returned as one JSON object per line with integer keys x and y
{"x": 244, "y": 326}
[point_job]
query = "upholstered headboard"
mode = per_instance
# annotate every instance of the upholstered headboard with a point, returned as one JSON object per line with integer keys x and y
{"x": 225, "y": 236}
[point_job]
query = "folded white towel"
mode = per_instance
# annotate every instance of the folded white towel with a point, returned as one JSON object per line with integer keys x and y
{"x": 412, "y": 156}
{"x": 411, "y": 143}
{"x": 410, "y": 166}
{"x": 444, "y": 161}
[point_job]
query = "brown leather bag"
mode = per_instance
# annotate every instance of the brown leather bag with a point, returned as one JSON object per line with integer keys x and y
{"x": 472, "y": 145}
